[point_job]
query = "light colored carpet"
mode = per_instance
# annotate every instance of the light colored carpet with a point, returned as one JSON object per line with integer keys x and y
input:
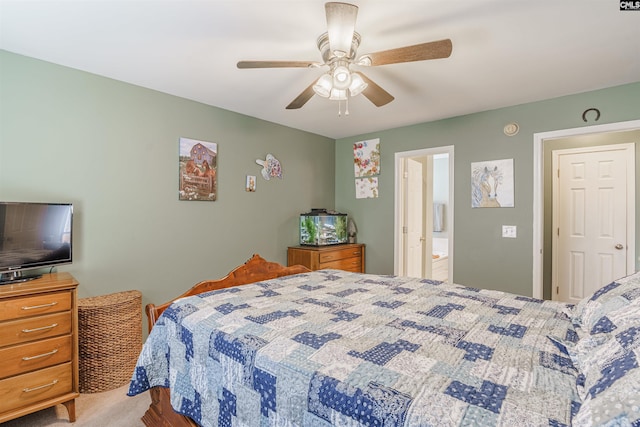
{"x": 107, "y": 409}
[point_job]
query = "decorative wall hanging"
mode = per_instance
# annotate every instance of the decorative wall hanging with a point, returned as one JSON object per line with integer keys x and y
{"x": 492, "y": 184}
{"x": 595, "y": 110}
{"x": 366, "y": 158}
{"x": 270, "y": 167}
{"x": 198, "y": 166}
{"x": 250, "y": 184}
{"x": 367, "y": 188}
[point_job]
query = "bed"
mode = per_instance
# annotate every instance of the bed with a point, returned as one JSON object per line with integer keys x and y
{"x": 283, "y": 346}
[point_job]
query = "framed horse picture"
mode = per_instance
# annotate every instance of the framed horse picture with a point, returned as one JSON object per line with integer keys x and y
{"x": 492, "y": 184}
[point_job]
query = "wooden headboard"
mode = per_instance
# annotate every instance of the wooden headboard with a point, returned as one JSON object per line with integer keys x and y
{"x": 255, "y": 270}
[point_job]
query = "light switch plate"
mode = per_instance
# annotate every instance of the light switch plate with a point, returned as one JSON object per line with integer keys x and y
{"x": 509, "y": 231}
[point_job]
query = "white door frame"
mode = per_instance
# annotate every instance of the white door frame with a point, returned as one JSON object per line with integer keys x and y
{"x": 538, "y": 192}
{"x": 399, "y": 204}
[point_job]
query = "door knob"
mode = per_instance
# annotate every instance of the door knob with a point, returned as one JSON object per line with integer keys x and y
{"x": 619, "y": 246}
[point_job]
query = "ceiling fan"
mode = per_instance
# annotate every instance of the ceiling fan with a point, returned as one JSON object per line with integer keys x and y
{"x": 338, "y": 48}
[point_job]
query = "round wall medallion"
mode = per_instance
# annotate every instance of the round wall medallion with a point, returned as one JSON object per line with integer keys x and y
{"x": 511, "y": 129}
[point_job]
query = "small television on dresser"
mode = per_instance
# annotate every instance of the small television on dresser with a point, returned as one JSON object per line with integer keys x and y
{"x": 33, "y": 236}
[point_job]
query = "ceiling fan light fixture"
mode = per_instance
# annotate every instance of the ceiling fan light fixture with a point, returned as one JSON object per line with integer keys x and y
{"x": 323, "y": 86}
{"x": 338, "y": 94}
{"x": 339, "y": 51}
{"x": 357, "y": 84}
{"x": 341, "y": 77}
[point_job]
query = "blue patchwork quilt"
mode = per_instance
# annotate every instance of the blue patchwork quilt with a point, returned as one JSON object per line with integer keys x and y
{"x": 333, "y": 348}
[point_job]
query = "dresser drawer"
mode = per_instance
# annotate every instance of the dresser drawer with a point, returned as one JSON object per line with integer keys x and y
{"x": 22, "y": 358}
{"x": 35, "y": 328}
{"x": 339, "y": 254}
{"x": 349, "y": 257}
{"x": 25, "y": 389}
{"x": 16, "y": 308}
{"x": 348, "y": 264}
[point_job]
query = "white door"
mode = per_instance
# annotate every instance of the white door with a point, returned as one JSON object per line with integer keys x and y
{"x": 414, "y": 222}
{"x": 407, "y": 200}
{"x": 589, "y": 219}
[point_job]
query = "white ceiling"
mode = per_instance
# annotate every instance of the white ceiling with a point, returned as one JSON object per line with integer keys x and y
{"x": 505, "y": 52}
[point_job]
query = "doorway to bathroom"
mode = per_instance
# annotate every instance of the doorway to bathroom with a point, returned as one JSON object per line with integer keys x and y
{"x": 423, "y": 230}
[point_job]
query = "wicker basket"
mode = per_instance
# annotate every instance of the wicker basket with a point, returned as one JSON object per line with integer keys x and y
{"x": 110, "y": 339}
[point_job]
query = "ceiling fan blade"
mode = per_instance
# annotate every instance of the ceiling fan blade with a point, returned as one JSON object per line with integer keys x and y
{"x": 277, "y": 64}
{"x": 341, "y": 24}
{"x": 302, "y": 99}
{"x": 418, "y": 52}
{"x": 375, "y": 93}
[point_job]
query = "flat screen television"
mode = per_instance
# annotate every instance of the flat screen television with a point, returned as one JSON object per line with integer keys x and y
{"x": 33, "y": 236}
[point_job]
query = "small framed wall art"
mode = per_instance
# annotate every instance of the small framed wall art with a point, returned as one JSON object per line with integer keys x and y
{"x": 198, "y": 166}
{"x": 492, "y": 184}
{"x": 366, "y": 165}
{"x": 250, "y": 184}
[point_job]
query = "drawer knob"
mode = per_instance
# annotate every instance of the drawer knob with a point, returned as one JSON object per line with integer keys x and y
{"x": 25, "y": 358}
{"x": 33, "y": 307}
{"x": 29, "y": 390}
{"x": 26, "y": 331}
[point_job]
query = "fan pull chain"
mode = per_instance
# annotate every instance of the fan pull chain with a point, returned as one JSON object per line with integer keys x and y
{"x": 346, "y": 110}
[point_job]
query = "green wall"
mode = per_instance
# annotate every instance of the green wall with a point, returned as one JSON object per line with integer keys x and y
{"x": 482, "y": 258}
{"x": 111, "y": 149}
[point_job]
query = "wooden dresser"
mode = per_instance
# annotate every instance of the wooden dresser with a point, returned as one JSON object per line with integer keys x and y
{"x": 38, "y": 345}
{"x": 348, "y": 257}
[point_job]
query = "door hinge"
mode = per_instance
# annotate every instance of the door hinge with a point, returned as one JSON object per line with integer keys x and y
{"x": 558, "y": 173}
{"x": 558, "y": 231}
{"x": 405, "y": 230}
{"x": 557, "y": 290}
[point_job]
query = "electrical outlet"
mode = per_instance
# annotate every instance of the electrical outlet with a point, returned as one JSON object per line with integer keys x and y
{"x": 509, "y": 231}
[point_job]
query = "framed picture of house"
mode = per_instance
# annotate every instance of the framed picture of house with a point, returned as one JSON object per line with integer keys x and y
{"x": 198, "y": 166}
{"x": 492, "y": 184}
